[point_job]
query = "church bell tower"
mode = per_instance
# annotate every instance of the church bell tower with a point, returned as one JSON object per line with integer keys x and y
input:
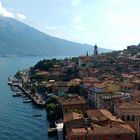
{"x": 95, "y": 50}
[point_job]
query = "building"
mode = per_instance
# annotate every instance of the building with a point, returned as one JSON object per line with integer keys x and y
{"x": 109, "y": 100}
{"x": 71, "y": 103}
{"x": 130, "y": 113}
{"x": 95, "y": 50}
{"x": 95, "y": 93}
{"x": 98, "y": 125}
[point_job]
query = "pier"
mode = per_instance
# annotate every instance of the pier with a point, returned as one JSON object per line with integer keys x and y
{"x": 34, "y": 98}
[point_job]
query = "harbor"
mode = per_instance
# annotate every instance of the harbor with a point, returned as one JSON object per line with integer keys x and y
{"x": 35, "y": 99}
{"x": 27, "y": 96}
{"x": 19, "y": 120}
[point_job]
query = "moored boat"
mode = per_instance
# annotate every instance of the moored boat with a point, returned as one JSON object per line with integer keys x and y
{"x": 16, "y": 94}
{"x": 27, "y": 101}
{"x": 36, "y": 115}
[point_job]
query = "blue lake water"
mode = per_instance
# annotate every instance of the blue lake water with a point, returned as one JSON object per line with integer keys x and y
{"x": 16, "y": 120}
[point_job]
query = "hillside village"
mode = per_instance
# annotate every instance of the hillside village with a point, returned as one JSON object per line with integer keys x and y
{"x": 95, "y": 97}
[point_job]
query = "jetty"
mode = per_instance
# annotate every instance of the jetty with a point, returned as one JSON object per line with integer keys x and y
{"x": 59, "y": 127}
{"x": 36, "y": 98}
{"x": 56, "y": 131}
{"x": 52, "y": 131}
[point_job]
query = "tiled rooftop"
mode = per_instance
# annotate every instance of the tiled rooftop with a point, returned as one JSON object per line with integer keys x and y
{"x": 72, "y": 116}
{"x": 134, "y": 104}
{"x": 70, "y": 100}
{"x": 103, "y": 130}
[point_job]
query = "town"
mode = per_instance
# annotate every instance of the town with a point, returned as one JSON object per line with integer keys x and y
{"x": 93, "y": 97}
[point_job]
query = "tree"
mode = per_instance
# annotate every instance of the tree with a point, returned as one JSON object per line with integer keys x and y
{"x": 39, "y": 78}
{"x": 51, "y": 107}
{"x": 46, "y": 65}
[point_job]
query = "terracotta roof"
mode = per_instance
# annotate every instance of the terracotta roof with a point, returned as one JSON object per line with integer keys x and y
{"x": 102, "y": 114}
{"x": 136, "y": 94}
{"x": 90, "y": 80}
{"x": 134, "y": 104}
{"x": 72, "y": 116}
{"x": 96, "y": 115}
{"x": 70, "y": 100}
{"x": 103, "y": 130}
{"x": 116, "y": 129}
{"x": 126, "y": 84}
{"x": 110, "y": 116}
{"x": 126, "y": 75}
{"x": 136, "y": 81}
{"x": 101, "y": 85}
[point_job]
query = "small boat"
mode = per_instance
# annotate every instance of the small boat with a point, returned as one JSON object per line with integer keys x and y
{"x": 23, "y": 96}
{"x": 36, "y": 115}
{"x": 16, "y": 95}
{"x": 15, "y": 89}
{"x": 10, "y": 82}
{"x": 27, "y": 101}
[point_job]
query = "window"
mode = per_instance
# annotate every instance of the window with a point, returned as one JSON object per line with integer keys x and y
{"x": 118, "y": 136}
{"x": 128, "y": 117}
{"x": 133, "y": 118}
{"x": 123, "y": 117}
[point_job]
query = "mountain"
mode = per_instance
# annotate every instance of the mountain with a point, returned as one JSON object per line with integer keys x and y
{"x": 17, "y": 38}
{"x": 134, "y": 46}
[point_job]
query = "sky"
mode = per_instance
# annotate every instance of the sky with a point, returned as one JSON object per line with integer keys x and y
{"x": 112, "y": 24}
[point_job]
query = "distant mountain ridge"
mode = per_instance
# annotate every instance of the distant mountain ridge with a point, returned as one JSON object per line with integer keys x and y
{"x": 17, "y": 38}
{"x": 134, "y": 46}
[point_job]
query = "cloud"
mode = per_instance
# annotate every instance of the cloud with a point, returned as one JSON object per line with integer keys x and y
{"x": 6, "y": 13}
{"x": 20, "y": 16}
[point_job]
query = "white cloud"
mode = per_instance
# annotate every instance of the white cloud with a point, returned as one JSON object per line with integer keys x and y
{"x": 6, "y": 13}
{"x": 20, "y": 16}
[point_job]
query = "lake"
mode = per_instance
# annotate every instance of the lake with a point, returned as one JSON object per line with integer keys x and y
{"x": 16, "y": 120}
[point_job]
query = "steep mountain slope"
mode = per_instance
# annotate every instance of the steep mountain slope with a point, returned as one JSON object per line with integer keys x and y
{"x": 17, "y": 38}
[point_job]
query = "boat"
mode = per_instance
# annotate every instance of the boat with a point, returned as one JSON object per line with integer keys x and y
{"x": 15, "y": 89}
{"x": 23, "y": 96}
{"x": 36, "y": 115}
{"x": 10, "y": 82}
{"x": 16, "y": 94}
{"x": 13, "y": 82}
{"x": 27, "y": 101}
